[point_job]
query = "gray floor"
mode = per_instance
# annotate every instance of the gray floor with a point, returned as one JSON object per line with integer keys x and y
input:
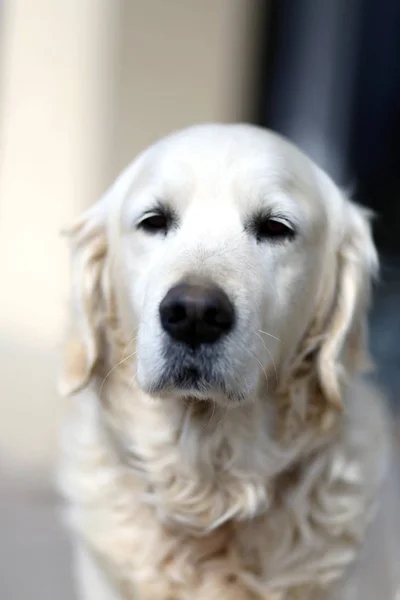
{"x": 34, "y": 552}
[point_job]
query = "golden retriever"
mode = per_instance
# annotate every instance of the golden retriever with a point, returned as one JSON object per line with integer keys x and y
{"x": 221, "y": 442}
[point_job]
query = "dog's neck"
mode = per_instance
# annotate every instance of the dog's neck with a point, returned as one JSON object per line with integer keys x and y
{"x": 203, "y": 464}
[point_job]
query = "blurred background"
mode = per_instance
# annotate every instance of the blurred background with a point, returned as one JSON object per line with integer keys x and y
{"x": 84, "y": 86}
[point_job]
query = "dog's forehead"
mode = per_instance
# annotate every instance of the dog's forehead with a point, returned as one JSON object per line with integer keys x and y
{"x": 212, "y": 159}
{"x": 213, "y": 151}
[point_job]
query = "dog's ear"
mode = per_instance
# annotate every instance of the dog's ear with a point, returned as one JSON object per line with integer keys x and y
{"x": 335, "y": 342}
{"x": 92, "y": 297}
{"x": 343, "y": 346}
{"x": 88, "y": 246}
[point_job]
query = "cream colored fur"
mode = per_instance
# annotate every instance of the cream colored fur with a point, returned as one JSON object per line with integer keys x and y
{"x": 289, "y": 494}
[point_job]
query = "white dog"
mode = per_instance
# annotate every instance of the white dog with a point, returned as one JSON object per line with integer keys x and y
{"x": 221, "y": 443}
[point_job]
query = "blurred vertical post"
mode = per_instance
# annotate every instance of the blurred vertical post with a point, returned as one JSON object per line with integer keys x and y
{"x": 58, "y": 64}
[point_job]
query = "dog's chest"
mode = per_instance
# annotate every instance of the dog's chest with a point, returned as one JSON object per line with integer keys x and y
{"x": 227, "y": 516}
{"x": 275, "y": 555}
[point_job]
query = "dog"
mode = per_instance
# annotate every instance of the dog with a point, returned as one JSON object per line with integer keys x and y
{"x": 221, "y": 438}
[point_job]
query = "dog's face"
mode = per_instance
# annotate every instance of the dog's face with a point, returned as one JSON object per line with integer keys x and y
{"x": 222, "y": 248}
{"x": 225, "y": 245}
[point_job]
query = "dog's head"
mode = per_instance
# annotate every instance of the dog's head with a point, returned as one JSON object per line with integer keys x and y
{"x": 228, "y": 257}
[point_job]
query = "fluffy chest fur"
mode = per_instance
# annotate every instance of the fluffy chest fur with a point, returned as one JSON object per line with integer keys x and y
{"x": 203, "y": 497}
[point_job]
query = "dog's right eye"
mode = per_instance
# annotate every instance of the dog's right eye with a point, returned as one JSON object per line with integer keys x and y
{"x": 155, "y": 223}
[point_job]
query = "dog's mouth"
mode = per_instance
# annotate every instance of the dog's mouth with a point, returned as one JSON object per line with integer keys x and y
{"x": 204, "y": 373}
{"x": 189, "y": 377}
{"x": 190, "y": 381}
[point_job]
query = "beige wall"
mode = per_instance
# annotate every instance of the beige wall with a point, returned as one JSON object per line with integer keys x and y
{"x": 86, "y": 84}
{"x": 182, "y": 62}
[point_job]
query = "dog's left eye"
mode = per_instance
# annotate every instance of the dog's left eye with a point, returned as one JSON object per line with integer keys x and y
{"x": 274, "y": 229}
{"x": 155, "y": 223}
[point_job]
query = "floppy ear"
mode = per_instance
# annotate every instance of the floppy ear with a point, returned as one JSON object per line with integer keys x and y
{"x": 335, "y": 343}
{"x": 93, "y": 302}
{"x": 344, "y": 342}
{"x": 88, "y": 299}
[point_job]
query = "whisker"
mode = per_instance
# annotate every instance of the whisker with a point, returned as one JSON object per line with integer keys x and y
{"x": 263, "y": 369}
{"x": 115, "y": 367}
{"x": 271, "y": 357}
{"x": 211, "y": 418}
{"x": 260, "y": 363}
{"x": 262, "y": 341}
{"x": 269, "y": 335}
{"x": 132, "y": 340}
{"x": 222, "y": 411}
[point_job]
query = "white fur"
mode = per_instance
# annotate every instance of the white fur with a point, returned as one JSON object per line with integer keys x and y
{"x": 264, "y": 487}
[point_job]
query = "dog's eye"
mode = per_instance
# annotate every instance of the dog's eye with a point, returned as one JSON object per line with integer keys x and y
{"x": 155, "y": 223}
{"x": 269, "y": 228}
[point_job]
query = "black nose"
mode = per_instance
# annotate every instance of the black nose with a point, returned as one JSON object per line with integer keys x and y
{"x": 196, "y": 313}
